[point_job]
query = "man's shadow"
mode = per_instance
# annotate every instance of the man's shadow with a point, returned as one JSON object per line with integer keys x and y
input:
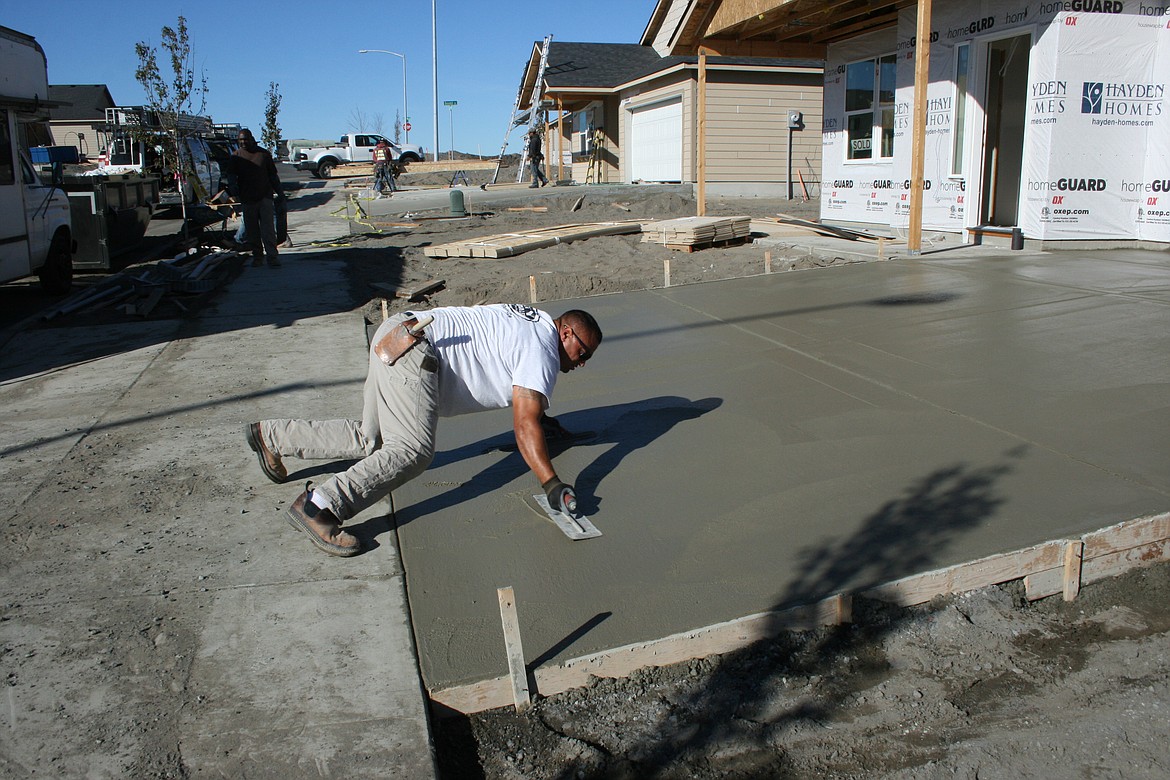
{"x": 627, "y": 427}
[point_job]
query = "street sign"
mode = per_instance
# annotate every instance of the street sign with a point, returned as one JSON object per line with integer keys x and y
{"x": 406, "y": 127}
{"x": 450, "y": 102}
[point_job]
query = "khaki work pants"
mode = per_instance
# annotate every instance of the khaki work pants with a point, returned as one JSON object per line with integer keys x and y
{"x": 395, "y": 438}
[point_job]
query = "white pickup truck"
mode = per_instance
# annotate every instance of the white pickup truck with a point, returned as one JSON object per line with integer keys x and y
{"x": 353, "y": 148}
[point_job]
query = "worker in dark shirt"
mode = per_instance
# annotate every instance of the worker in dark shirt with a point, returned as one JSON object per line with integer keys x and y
{"x": 254, "y": 182}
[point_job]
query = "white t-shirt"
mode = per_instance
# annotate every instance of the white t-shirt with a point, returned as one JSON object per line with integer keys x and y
{"x": 485, "y": 350}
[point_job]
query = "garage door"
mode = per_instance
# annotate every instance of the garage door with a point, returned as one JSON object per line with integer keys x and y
{"x": 656, "y": 142}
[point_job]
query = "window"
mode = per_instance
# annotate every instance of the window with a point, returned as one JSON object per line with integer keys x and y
{"x": 958, "y": 135}
{"x": 869, "y": 107}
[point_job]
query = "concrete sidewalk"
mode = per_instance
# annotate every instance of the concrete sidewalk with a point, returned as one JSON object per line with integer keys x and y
{"x": 281, "y": 662}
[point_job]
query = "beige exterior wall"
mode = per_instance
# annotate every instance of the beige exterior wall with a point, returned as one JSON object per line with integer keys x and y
{"x": 747, "y": 125}
{"x": 66, "y": 134}
{"x": 670, "y": 23}
{"x": 747, "y": 128}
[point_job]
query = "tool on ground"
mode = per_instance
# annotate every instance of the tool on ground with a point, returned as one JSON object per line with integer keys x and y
{"x": 401, "y": 339}
{"x": 576, "y": 528}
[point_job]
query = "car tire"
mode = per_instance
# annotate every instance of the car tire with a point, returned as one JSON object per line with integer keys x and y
{"x": 409, "y": 157}
{"x": 56, "y": 275}
{"x": 325, "y": 169}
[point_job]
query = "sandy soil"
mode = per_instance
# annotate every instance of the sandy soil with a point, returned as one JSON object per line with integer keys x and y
{"x": 981, "y": 685}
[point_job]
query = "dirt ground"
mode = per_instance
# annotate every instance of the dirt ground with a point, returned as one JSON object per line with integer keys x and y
{"x": 981, "y": 685}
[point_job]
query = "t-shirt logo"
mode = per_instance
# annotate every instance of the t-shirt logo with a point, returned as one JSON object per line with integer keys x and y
{"x": 524, "y": 312}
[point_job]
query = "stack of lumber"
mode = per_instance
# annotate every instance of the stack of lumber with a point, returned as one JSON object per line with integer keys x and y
{"x": 509, "y": 244}
{"x": 138, "y": 290}
{"x": 694, "y": 232}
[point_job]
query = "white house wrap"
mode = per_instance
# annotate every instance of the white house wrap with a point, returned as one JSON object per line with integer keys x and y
{"x": 1051, "y": 117}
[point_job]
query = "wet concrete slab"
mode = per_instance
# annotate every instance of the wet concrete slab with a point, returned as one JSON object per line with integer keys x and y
{"x": 772, "y": 441}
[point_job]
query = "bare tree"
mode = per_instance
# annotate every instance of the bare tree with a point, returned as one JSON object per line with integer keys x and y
{"x": 173, "y": 98}
{"x": 358, "y": 120}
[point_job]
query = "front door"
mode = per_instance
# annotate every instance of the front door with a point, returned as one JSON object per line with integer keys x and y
{"x": 1006, "y": 78}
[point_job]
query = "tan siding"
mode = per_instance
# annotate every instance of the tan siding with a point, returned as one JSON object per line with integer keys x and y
{"x": 747, "y": 132}
{"x": 66, "y": 134}
{"x": 669, "y": 26}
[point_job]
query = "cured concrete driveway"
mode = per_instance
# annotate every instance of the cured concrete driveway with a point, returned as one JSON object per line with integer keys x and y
{"x": 771, "y": 441}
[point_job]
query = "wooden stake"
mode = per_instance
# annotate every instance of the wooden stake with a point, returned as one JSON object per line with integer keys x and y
{"x": 385, "y": 311}
{"x": 515, "y": 650}
{"x": 1073, "y": 554}
{"x": 768, "y": 261}
{"x": 532, "y": 288}
{"x": 666, "y": 272}
{"x": 844, "y": 608}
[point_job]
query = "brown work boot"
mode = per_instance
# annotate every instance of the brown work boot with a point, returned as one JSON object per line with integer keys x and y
{"x": 323, "y": 527}
{"x": 269, "y": 461}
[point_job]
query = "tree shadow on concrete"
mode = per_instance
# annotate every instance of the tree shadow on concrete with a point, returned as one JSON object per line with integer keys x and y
{"x": 742, "y": 701}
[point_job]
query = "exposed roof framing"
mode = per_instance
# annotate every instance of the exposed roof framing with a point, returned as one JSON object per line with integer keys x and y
{"x": 776, "y": 26}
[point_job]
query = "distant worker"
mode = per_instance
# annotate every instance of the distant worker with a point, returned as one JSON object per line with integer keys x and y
{"x": 253, "y": 180}
{"x": 383, "y": 157}
{"x": 469, "y": 359}
{"x": 535, "y": 159}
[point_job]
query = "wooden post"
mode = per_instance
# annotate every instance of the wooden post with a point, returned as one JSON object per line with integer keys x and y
{"x": 666, "y": 272}
{"x": 768, "y": 261}
{"x": 514, "y": 648}
{"x": 532, "y": 288}
{"x": 918, "y": 129}
{"x": 1073, "y": 553}
{"x": 560, "y": 139}
{"x": 385, "y": 311}
{"x": 843, "y": 605}
{"x": 701, "y": 138}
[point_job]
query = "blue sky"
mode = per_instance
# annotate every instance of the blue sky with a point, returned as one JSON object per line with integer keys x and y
{"x": 311, "y": 50}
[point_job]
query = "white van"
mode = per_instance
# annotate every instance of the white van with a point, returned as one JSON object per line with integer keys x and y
{"x": 35, "y": 230}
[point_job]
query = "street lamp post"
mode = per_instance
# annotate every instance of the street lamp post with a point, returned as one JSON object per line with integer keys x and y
{"x": 435, "y": 72}
{"x": 405, "y": 104}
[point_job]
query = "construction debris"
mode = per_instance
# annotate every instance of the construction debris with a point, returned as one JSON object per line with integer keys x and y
{"x": 419, "y": 292}
{"x": 510, "y": 244}
{"x": 137, "y": 291}
{"x": 690, "y": 233}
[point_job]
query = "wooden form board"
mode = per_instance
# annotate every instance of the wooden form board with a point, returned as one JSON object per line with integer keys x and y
{"x": 510, "y": 244}
{"x": 1043, "y": 567}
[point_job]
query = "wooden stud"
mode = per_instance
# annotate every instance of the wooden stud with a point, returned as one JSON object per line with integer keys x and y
{"x": 516, "y": 671}
{"x": 385, "y": 311}
{"x": 701, "y": 137}
{"x": 918, "y": 127}
{"x": 1073, "y": 553}
{"x": 768, "y": 261}
{"x": 532, "y": 288}
{"x": 666, "y": 272}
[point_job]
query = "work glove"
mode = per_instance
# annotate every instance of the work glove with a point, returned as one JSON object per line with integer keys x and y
{"x": 561, "y": 497}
